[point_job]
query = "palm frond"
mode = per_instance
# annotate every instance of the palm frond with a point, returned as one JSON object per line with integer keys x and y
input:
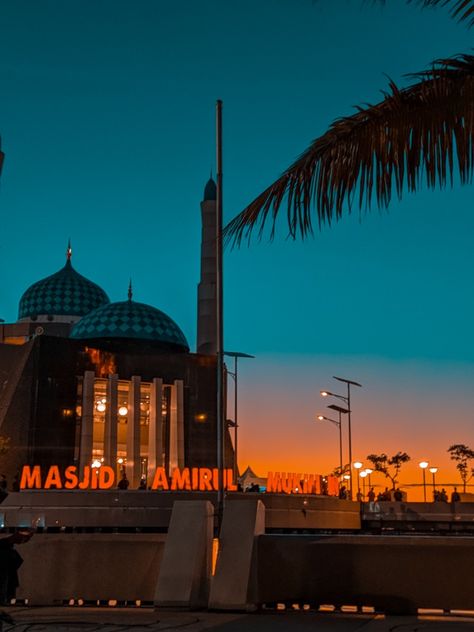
{"x": 418, "y": 134}
{"x": 460, "y": 9}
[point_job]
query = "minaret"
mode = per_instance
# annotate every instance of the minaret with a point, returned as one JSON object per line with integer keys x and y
{"x": 206, "y": 325}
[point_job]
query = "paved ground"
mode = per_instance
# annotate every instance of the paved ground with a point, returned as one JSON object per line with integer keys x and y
{"x": 81, "y": 619}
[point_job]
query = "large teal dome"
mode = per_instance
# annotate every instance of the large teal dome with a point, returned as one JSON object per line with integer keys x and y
{"x": 65, "y": 293}
{"x": 131, "y": 321}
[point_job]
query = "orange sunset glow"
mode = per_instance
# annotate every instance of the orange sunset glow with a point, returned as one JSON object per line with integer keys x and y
{"x": 410, "y": 407}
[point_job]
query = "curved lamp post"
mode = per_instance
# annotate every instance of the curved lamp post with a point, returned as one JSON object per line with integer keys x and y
{"x": 363, "y": 476}
{"x": 347, "y": 400}
{"x": 339, "y": 425}
{"x": 357, "y": 465}
{"x": 234, "y": 424}
{"x": 433, "y": 471}
{"x": 424, "y": 465}
{"x": 369, "y": 472}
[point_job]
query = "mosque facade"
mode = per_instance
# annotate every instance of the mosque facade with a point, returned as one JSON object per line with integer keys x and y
{"x": 86, "y": 381}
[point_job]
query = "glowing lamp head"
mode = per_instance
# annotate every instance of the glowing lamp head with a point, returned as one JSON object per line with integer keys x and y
{"x": 433, "y": 470}
{"x": 120, "y": 460}
{"x": 423, "y": 464}
{"x": 363, "y": 474}
{"x": 321, "y": 417}
{"x": 323, "y": 393}
{"x": 123, "y": 411}
{"x": 346, "y": 477}
{"x": 368, "y": 470}
{"x": 101, "y": 407}
{"x": 357, "y": 465}
{"x": 96, "y": 464}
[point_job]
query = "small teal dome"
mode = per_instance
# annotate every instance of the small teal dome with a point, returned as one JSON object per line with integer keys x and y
{"x": 65, "y": 293}
{"x": 132, "y": 321}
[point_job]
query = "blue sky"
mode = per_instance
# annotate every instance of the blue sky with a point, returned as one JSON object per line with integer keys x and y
{"x": 107, "y": 121}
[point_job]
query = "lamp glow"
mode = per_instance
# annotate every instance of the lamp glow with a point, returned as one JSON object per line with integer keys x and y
{"x": 433, "y": 470}
{"x": 122, "y": 411}
{"x": 423, "y": 464}
{"x": 320, "y": 417}
{"x": 357, "y": 465}
{"x": 101, "y": 407}
{"x": 96, "y": 464}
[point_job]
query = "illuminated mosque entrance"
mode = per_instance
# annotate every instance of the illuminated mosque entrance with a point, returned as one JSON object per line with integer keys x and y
{"x": 131, "y": 425}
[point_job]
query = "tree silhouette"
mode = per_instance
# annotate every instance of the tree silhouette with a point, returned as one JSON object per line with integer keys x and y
{"x": 463, "y": 455}
{"x": 382, "y": 463}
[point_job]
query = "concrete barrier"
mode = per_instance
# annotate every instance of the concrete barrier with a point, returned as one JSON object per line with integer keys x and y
{"x": 60, "y": 567}
{"x": 185, "y": 571}
{"x": 391, "y": 573}
{"x": 242, "y": 521}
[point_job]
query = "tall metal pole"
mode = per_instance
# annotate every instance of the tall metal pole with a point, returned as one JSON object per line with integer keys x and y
{"x": 340, "y": 444}
{"x": 350, "y": 436}
{"x": 236, "y": 466}
{"x": 348, "y": 400}
{"x": 236, "y": 355}
{"x": 220, "y": 417}
{"x": 424, "y": 485}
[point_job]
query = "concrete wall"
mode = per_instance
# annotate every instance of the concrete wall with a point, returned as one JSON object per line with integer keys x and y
{"x": 390, "y": 573}
{"x": 90, "y": 567}
{"x": 131, "y": 508}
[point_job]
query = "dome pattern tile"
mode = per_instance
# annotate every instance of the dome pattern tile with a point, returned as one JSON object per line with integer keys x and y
{"x": 130, "y": 320}
{"x": 65, "y": 293}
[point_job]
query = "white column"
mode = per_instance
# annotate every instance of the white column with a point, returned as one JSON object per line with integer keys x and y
{"x": 133, "y": 432}
{"x": 173, "y": 430}
{"x": 180, "y": 420}
{"x": 155, "y": 428}
{"x": 176, "y": 427}
{"x": 87, "y": 422}
{"x": 110, "y": 431}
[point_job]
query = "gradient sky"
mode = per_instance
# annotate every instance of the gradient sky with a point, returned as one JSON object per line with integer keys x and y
{"x": 107, "y": 121}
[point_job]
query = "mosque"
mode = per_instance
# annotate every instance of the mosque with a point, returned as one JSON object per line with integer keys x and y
{"x": 84, "y": 380}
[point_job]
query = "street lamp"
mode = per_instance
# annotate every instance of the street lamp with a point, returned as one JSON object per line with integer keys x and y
{"x": 433, "y": 471}
{"x": 357, "y": 465}
{"x": 339, "y": 425}
{"x": 235, "y": 425}
{"x": 347, "y": 400}
{"x": 369, "y": 472}
{"x": 363, "y": 476}
{"x": 424, "y": 465}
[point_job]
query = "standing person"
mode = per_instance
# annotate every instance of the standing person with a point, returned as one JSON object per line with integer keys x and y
{"x": 455, "y": 497}
{"x": 123, "y": 482}
{"x": 360, "y": 496}
{"x": 397, "y": 495}
{"x": 371, "y": 495}
{"x": 10, "y": 562}
{"x": 16, "y": 483}
{"x": 443, "y": 496}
